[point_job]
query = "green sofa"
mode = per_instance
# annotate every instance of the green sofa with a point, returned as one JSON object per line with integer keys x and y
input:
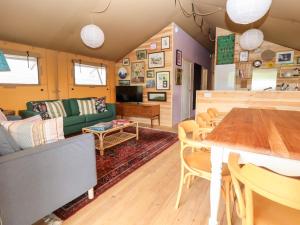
{"x": 73, "y": 123}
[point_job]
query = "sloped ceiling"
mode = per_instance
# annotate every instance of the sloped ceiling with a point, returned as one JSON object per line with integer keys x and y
{"x": 56, "y": 24}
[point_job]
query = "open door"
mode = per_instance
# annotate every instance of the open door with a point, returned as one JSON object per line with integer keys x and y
{"x": 186, "y": 89}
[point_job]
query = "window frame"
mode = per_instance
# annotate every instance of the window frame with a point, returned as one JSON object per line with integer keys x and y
{"x": 89, "y": 64}
{"x": 8, "y": 52}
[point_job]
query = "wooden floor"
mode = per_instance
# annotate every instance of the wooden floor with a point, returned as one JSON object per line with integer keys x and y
{"x": 147, "y": 197}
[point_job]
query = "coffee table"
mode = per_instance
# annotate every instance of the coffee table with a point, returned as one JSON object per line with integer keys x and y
{"x": 113, "y": 136}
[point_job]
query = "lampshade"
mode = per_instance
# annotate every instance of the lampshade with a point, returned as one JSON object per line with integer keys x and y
{"x": 92, "y": 36}
{"x": 251, "y": 39}
{"x": 247, "y": 11}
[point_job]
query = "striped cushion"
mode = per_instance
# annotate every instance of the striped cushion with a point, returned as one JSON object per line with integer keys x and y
{"x": 56, "y": 109}
{"x": 2, "y": 116}
{"x": 87, "y": 106}
{"x": 34, "y": 131}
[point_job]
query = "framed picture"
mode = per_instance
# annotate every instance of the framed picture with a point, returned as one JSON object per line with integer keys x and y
{"x": 244, "y": 56}
{"x": 157, "y": 96}
{"x": 150, "y": 74}
{"x": 165, "y": 42}
{"x": 124, "y": 82}
{"x": 298, "y": 60}
{"x": 137, "y": 72}
{"x": 156, "y": 60}
{"x": 163, "y": 80}
{"x": 285, "y": 57}
{"x": 178, "y": 76}
{"x": 178, "y": 57}
{"x": 153, "y": 46}
{"x": 150, "y": 84}
{"x": 141, "y": 54}
{"x": 126, "y": 62}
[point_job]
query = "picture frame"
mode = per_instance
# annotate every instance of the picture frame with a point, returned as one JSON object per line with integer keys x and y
{"x": 156, "y": 60}
{"x": 137, "y": 72}
{"x": 124, "y": 82}
{"x": 150, "y": 84}
{"x": 178, "y": 76}
{"x": 150, "y": 74}
{"x": 163, "y": 80}
{"x": 165, "y": 42}
{"x": 178, "y": 57}
{"x": 157, "y": 96}
{"x": 126, "y": 62}
{"x": 286, "y": 57}
{"x": 141, "y": 54}
{"x": 298, "y": 60}
{"x": 244, "y": 56}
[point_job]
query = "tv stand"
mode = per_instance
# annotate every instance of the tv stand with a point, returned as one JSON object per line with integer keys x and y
{"x": 139, "y": 110}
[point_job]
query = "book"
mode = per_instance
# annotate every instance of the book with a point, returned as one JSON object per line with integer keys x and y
{"x": 101, "y": 126}
{"x": 120, "y": 122}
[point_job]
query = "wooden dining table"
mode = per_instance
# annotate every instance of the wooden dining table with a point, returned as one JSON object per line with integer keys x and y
{"x": 264, "y": 137}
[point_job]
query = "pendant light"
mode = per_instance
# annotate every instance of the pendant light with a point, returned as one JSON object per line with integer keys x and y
{"x": 247, "y": 11}
{"x": 251, "y": 39}
{"x": 92, "y": 36}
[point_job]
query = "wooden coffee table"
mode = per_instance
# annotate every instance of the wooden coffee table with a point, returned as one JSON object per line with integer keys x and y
{"x": 113, "y": 136}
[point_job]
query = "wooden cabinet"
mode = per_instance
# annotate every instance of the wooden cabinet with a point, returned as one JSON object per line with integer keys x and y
{"x": 139, "y": 110}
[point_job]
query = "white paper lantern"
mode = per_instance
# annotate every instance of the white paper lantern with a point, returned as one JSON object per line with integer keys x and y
{"x": 247, "y": 11}
{"x": 251, "y": 39}
{"x": 92, "y": 36}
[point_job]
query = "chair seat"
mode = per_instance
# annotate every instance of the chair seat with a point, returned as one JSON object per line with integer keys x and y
{"x": 200, "y": 160}
{"x": 267, "y": 212}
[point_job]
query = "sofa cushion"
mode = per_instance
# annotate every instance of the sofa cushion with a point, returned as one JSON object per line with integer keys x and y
{"x": 7, "y": 143}
{"x": 74, "y": 105}
{"x": 98, "y": 116}
{"x": 2, "y": 116}
{"x": 73, "y": 120}
{"x": 87, "y": 107}
{"x": 56, "y": 109}
{"x": 65, "y": 102}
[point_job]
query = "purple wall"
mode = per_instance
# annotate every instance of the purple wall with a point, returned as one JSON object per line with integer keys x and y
{"x": 193, "y": 52}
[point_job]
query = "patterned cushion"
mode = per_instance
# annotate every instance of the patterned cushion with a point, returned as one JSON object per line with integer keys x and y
{"x": 2, "y": 116}
{"x": 41, "y": 107}
{"x": 101, "y": 104}
{"x": 87, "y": 107}
{"x": 56, "y": 109}
{"x": 34, "y": 131}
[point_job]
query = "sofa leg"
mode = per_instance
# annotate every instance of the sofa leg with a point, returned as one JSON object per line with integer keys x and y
{"x": 91, "y": 193}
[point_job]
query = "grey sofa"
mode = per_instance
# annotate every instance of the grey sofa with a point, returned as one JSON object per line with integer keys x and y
{"x": 35, "y": 182}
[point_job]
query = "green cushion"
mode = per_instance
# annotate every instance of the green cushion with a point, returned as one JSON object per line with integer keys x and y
{"x": 74, "y": 105}
{"x": 98, "y": 116}
{"x": 72, "y": 120}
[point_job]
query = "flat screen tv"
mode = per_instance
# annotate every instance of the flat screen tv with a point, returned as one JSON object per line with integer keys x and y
{"x": 129, "y": 93}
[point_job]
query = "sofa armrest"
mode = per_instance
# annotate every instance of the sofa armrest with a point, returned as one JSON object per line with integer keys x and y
{"x": 27, "y": 113}
{"x": 112, "y": 108}
{"x": 35, "y": 182}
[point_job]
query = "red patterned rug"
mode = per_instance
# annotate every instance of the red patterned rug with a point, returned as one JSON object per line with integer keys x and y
{"x": 121, "y": 160}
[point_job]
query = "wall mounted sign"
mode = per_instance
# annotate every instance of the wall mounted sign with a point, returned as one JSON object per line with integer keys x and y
{"x": 225, "y": 49}
{"x": 3, "y": 63}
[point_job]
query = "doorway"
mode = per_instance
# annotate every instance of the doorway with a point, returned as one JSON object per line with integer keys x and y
{"x": 186, "y": 89}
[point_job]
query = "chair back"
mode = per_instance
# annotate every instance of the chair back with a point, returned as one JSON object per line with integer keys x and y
{"x": 204, "y": 116}
{"x": 185, "y": 127}
{"x": 281, "y": 189}
{"x": 212, "y": 112}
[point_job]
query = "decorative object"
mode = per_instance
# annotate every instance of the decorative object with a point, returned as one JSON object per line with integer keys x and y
{"x": 247, "y": 11}
{"x": 126, "y": 62}
{"x": 150, "y": 74}
{"x": 298, "y": 60}
{"x": 268, "y": 55}
{"x": 225, "y": 49}
{"x": 150, "y": 84}
{"x": 124, "y": 82}
{"x": 251, "y": 39}
{"x": 157, "y": 96}
{"x": 156, "y": 60}
{"x": 141, "y": 54}
{"x": 122, "y": 73}
{"x": 3, "y": 63}
{"x": 257, "y": 63}
{"x": 92, "y": 36}
{"x": 178, "y": 57}
{"x": 137, "y": 72}
{"x": 178, "y": 76}
{"x": 121, "y": 161}
{"x": 244, "y": 56}
{"x": 286, "y": 57}
{"x": 163, "y": 80}
{"x": 165, "y": 42}
{"x": 153, "y": 46}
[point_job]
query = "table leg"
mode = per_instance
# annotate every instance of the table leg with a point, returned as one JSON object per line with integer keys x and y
{"x": 101, "y": 145}
{"x": 215, "y": 183}
{"x": 137, "y": 131}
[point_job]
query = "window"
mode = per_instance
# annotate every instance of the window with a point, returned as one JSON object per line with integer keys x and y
{"x": 23, "y": 70}
{"x": 89, "y": 75}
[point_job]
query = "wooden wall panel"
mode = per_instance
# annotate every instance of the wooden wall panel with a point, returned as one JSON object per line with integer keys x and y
{"x": 226, "y": 100}
{"x": 165, "y": 107}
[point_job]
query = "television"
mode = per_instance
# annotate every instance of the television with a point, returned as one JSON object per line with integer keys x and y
{"x": 129, "y": 93}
